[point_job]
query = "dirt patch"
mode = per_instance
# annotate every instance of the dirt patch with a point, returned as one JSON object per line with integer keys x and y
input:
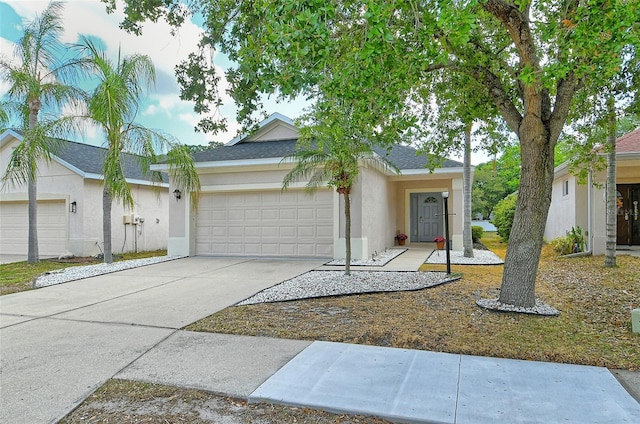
{"x": 122, "y": 401}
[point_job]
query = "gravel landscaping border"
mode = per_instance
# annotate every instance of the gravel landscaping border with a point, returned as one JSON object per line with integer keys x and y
{"x": 378, "y": 259}
{"x": 540, "y": 307}
{"x": 480, "y": 257}
{"x": 314, "y": 284}
{"x": 79, "y": 272}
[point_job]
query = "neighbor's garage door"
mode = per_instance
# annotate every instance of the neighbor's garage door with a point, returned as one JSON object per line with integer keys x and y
{"x": 268, "y": 223}
{"x": 52, "y": 228}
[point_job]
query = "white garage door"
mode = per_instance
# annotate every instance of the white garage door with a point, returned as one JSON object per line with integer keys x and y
{"x": 52, "y": 228}
{"x": 268, "y": 223}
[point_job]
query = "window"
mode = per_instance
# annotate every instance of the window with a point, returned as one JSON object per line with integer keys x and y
{"x": 565, "y": 188}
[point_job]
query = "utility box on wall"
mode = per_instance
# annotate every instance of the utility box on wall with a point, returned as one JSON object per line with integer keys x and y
{"x": 635, "y": 320}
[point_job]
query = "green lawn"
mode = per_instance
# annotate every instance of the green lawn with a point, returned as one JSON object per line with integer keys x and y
{"x": 19, "y": 276}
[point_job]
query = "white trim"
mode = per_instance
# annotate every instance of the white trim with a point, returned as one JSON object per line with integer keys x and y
{"x": 23, "y": 197}
{"x": 253, "y": 187}
{"x": 272, "y": 118}
{"x": 99, "y": 177}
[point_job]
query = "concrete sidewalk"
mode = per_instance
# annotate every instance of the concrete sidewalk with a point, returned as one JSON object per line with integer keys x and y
{"x": 413, "y": 386}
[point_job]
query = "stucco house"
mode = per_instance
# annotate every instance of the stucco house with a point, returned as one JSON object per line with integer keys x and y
{"x": 70, "y": 205}
{"x": 243, "y": 210}
{"x": 574, "y": 204}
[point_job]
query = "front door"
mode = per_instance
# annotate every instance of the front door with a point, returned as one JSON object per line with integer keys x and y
{"x": 426, "y": 216}
{"x": 628, "y": 214}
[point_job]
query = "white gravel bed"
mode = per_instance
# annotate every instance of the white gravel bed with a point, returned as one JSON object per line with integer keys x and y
{"x": 380, "y": 259}
{"x": 78, "y": 272}
{"x": 480, "y": 257}
{"x": 540, "y": 307}
{"x": 333, "y": 283}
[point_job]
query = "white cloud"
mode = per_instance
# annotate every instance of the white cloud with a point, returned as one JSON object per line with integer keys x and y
{"x": 163, "y": 108}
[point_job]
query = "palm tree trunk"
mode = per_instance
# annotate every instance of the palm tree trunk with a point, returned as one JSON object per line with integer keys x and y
{"x": 612, "y": 229}
{"x": 467, "y": 240}
{"x": 106, "y": 225}
{"x": 347, "y": 233}
{"x": 33, "y": 254}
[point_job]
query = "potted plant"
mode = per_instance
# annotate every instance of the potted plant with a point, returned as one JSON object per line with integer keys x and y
{"x": 401, "y": 238}
{"x": 439, "y": 242}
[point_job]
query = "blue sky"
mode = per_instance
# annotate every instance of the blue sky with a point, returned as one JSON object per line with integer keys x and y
{"x": 162, "y": 108}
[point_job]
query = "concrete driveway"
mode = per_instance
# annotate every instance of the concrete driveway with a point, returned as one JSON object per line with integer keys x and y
{"x": 59, "y": 343}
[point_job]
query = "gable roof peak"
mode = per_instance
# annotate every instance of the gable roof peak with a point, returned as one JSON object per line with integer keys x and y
{"x": 274, "y": 120}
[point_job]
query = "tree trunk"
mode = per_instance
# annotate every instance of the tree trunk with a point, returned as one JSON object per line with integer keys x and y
{"x": 612, "y": 224}
{"x": 106, "y": 225}
{"x": 33, "y": 254}
{"x": 467, "y": 240}
{"x": 347, "y": 233}
{"x": 532, "y": 208}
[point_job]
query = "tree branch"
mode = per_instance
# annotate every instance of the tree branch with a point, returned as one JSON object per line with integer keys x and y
{"x": 566, "y": 88}
{"x": 498, "y": 95}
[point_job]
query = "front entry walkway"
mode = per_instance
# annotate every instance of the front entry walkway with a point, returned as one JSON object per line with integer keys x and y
{"x": 411, "y": 260}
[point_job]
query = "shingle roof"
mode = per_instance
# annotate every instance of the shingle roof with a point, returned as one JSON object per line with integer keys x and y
{"x": 629, "y": 143}
{"x": 404, "y": 157}
{"x": 90, "y": 160}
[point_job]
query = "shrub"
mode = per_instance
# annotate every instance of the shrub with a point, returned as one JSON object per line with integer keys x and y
{"x": 476, "y": 233}
{"x": 503, "y": 215}
{"x": 562, "y": 245}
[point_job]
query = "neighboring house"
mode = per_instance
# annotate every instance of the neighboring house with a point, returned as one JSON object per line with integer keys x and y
{"x": 70, "y": 205}
{"x": 584, "y": 205}
{"x": 243, "y": 210}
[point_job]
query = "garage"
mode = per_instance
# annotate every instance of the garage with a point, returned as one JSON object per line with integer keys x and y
{"x": 265, "y": 223}
{"x": 52, "y": 228}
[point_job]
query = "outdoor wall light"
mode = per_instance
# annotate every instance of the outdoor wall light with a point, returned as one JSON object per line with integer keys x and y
{"x": 445, "y": 194}
{"x": 177, "y": 193}
{"x": 73, "y": 207}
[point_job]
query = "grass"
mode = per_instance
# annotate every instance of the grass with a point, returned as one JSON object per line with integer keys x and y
{"x": 122, "y": 401}
{"x": 18, "y": 276}
{"x": 594, "y": 327}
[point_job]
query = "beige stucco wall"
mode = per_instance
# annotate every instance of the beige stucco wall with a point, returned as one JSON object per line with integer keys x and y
{"x": 150, "y": 204}
{"x": 378, "y": 211}
{"x": 56, "y": 181}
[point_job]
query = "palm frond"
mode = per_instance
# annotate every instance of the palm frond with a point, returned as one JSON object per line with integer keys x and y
{"x": 183, "y": 171}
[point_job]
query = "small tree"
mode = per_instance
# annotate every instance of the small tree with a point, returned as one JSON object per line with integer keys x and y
{"x": 331, "y": 155}
{"x": 38, "y": 80}
{"x": 113, "y": 105}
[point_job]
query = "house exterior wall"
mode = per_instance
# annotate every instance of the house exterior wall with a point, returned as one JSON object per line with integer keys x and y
{"x": 562, "y": 211}
{"x": 378, "y": 211}
{"x": 584, "y": 200}
{"x": 372, "y": 216}
{"x": 57, "y": 182}
{"x": 450, "y": 183}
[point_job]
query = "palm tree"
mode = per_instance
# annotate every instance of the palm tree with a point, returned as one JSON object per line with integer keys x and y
{"x": 38, "y": 78}
{"x": 113, "y": 106}
{"x": 335, "y": 163}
